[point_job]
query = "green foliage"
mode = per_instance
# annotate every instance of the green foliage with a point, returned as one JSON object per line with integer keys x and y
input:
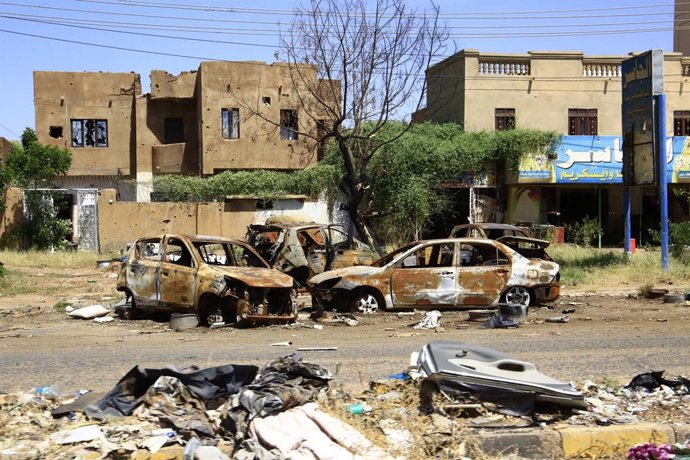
{"x": 405, "y": 174}
{"x": 583, "y": 232}
{"x": 61, "y": 305}
{"x": 33, "y": 164}
{"x": 2, "y": 270}
{"x": 312, "y": 181}
{"x": 645, "y": 290}
{"x": 679, "y": 236}
{"x": 42, "y": 229}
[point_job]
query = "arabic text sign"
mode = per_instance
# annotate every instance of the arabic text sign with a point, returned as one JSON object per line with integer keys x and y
{"x": 598, "y": 160}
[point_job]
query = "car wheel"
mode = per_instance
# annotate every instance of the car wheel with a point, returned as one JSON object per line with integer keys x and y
{"x": 518, "y": 295}
{"x": 367, "y": 302}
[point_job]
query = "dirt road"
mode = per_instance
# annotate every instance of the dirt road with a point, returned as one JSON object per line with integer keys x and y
{"x": 607, "y": 337}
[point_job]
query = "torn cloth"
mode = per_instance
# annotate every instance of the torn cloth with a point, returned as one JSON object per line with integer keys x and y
{"x": 654, "y": 379}
{"x": 211, "y": 384}
{"x": 307, "y": 433}
{"x": 169, "y": 401}
{"x": 430, "y": 320}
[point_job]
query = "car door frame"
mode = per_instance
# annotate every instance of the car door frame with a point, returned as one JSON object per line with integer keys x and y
{"x": 406, "y": 283}
{"x": 177, "y": 283}
{"x": 142, "y": 273}
{"x": 480, "y": 285}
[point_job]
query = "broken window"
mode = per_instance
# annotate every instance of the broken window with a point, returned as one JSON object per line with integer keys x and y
{"x": 435, "y": 255}
{"x": 266, "y": 100}
{"x": 176, "y": 252}
{"x": 89, "y": 133}
{"x": 174, "y": 130}
{"x": 55, "y": 132}
{"x": 231, "y": 123}
{"x": 288, "y": 125}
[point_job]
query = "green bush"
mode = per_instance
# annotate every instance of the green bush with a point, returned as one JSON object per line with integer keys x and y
{"x": 583, "y": 232}
{"x": 679, "y": 236}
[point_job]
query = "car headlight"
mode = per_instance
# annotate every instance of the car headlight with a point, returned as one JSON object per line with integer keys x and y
{"x": 532, "y": 274}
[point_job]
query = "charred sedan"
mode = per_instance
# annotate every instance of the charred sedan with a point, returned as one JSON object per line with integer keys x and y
{"x": 217, "y": 278}
{"x": 447, "y": 273}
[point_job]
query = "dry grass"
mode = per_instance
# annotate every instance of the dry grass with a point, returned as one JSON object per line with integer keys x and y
{"x": 597, "y": 269}
{"x": 45, "y": 259}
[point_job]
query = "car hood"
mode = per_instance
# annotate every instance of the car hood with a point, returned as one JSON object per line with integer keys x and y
{"x": 358, "y": 270}
{"x": 257, "y": 277}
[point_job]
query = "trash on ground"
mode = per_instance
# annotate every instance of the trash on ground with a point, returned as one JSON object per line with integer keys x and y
{"x": 431, "y": 320}
{"x": 90, "y": 312}
{"x": 557, "y": 319}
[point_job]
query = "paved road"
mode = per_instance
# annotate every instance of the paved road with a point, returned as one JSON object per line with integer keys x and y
{"x": 611, "y": 337}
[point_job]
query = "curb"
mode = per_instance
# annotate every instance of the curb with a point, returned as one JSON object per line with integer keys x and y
{"x": 578, "y": 442}
{"x": 559, "y": 442}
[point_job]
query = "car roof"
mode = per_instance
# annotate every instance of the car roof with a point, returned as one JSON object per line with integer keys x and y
{"x": 492, "y": 226}
{"x": 195, "y": 238}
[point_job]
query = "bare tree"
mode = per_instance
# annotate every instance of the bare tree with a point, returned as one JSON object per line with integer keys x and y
{"x": 370, "y": 65}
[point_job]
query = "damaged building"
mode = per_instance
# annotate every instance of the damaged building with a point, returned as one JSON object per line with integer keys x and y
{"x": 222, "y": 116}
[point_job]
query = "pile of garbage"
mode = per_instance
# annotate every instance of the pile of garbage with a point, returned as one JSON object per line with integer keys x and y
{"x": 289, "y": 408}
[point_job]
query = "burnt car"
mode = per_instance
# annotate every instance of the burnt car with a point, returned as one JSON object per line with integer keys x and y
{"x": 305, "y": 249}
{"x": 488, "y": 230}
{"x": 444, "y": 273}
{"x": 217, "y": 278}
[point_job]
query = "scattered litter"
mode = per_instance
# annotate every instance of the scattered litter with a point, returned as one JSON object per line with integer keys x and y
{"x": 182, "y": 321}
{"x": 479, "y": 315}
{"x": 499, "y": 322}
{"x": 557, "y": 319}
{"x": 568, "y": 310}
{"x": 674, "y": 298}
{"x": 405, "y": 334}
{"x": 69, "y": 309}
{"x": 81, "y": 434}
{"x": 358, "y": 408}
{"x": 281, "y": 344}
{"x": 104, "y": 319}
{"x": 401, "y": 438}
{"x": 430, "y": 320}
{"x": 402, "y": 314}
{"x": 318, "y": 326}
{"x": 317, "y": 349}
{"x": 90, "y": 312}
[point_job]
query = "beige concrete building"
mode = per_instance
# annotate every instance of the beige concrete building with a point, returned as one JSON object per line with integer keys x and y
{"x": 567, "y": 92}
{"x": 578, "y": 96}
{"x": 681, "y": 29}
{"x": 223, "y": 116}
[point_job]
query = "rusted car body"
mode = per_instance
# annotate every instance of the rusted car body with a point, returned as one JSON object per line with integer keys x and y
{"x": 305, "y": 249}
{"x": 491, "y": 231}
{"x": 217, "y": 278}
{"x": 445, "y": 273}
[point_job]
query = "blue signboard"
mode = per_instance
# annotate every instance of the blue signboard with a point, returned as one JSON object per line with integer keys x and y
{"x": 597, "y": 160}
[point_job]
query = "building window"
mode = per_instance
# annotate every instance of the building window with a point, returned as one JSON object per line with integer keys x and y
{"x": 582, "y": 122}
{"x": 89, "y": 133}
{"x": 505, "y": 119}
{"x": 288, "y": 125}
{"x": 56, "y": 132}
{"x": 231, "y": 123}
{"x": 174, "y": 130}
{"x": 681, "y": 123}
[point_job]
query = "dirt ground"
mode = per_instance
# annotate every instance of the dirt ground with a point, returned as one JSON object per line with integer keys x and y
{"x": 609, "y": 337}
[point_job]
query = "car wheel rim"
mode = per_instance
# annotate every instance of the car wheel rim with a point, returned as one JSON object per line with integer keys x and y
{"x": 518, "y": 296}
{"x": 367, "y": 304}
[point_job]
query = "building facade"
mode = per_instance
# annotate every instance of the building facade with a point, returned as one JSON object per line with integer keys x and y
{"x": 580, "y": 97}
{"x": 223, "y": 116}
{"x": 681, "y": 28}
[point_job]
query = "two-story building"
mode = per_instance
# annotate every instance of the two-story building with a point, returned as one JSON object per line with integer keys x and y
{"x": 578, "y": 96}
{"x": 223, "y": 116}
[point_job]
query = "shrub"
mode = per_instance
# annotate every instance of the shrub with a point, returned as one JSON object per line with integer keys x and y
{"x": 583, "y": 232}
{"x": 679, "y": 236}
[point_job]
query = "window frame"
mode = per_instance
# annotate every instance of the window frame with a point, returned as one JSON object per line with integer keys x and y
{"x": 83, "y": 132}
{"x": 504, "y": 119}
{"x": 681, "y": 122}
{"x": 583, "y": 122}
{"x": 233, "y": 129}
{"x": 289, "y": 124}
{"x": 171, "y": 131}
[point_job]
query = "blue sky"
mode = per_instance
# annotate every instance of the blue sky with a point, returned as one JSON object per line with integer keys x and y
{"x": 31, "y": 40}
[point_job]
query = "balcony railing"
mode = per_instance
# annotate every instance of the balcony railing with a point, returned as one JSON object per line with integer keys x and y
{"x": 502, "y": 67}
{"x": 601, "y": 69}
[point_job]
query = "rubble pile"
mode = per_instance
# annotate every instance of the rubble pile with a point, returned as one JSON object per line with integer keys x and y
{"x": 289, "y": 407}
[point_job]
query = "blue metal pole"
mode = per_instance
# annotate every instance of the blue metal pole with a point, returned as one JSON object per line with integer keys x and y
{"x": 628, "y": 250}
{"x": 663, "y": 183}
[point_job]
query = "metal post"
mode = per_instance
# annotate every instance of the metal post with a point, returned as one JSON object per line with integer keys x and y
{"x": 660, "y": 107}
{"x": 628, "y": 250}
